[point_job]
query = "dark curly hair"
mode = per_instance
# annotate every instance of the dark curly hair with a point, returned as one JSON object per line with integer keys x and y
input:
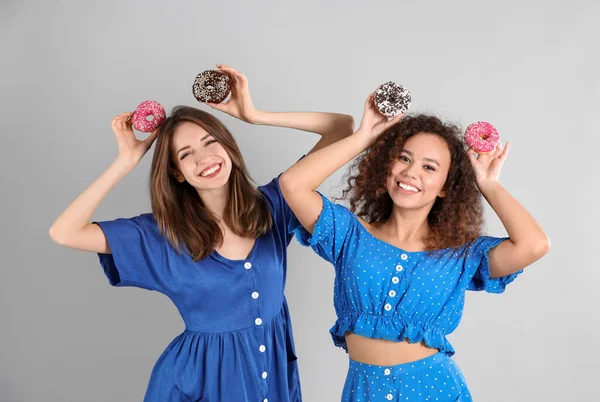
{"x": 454, "y": 219}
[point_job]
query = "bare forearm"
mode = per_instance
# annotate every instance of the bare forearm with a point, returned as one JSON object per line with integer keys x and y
{"x": 521, "y": 227}
{"x": 325, "y": 124}
{"x": 79, "y": 213}
{"x": 311, "y": 171}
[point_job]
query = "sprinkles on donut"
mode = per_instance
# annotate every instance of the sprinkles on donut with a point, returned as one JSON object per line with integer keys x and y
{"x": 482, "y": 137}
{"x": 211, "y": 86}
{"x": 392, "y": 99}
{"x": 145, "y": 109}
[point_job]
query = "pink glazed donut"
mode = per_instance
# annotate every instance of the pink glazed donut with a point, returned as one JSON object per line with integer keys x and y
{"x": 141, "y": 113}
{"x": 482, "y": 137}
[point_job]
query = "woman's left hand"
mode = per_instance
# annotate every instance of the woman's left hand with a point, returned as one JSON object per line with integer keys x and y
{"x": 239, "y": 105}
{"x": 487, "y": 166}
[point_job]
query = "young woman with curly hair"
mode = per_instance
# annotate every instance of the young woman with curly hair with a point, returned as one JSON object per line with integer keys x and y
{"x": 408, "y": 249}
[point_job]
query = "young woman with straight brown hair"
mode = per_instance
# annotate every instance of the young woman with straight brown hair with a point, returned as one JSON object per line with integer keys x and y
{"x": 214, "y": 244}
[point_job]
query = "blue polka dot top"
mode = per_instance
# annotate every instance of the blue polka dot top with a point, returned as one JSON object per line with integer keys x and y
{"x": 384, "y": 292}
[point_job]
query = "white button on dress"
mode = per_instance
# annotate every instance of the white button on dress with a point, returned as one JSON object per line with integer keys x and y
{"x": 262, "y": 348}
{"x": 395, "y": 280}
{"x": 387, "y": 371}
{"x": 404, "y": 257}
{"x": 389, "y": 397}
{"x": 255, "y": 295}
{"x": 387, "y": 307}
{"x": 392, "y": 293}
{"x": 248, "y": 265}
{"x": 264, "y": 375}
{"x": 399, "y": 268}
{"x": 258, "y": 321}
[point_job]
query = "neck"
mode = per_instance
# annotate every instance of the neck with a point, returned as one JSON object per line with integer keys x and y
{"x": 407, "y": 226}
{"x": 215, "y": 200}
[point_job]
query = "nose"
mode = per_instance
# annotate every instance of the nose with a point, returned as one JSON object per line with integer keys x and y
{"x": 410, "y": 170}
{"x": 202, "y": 157}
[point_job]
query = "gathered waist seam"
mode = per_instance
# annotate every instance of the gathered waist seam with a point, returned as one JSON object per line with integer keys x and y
{"x": 265, "y": 322}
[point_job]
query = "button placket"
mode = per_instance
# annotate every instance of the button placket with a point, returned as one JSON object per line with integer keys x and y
{"x": 258, "y": 322}
{"x": 395, "y": 281}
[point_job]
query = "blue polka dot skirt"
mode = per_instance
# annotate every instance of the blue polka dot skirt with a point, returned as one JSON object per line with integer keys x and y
{"x": 435, "y": 378}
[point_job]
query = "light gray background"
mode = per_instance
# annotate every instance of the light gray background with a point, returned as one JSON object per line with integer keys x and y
{"x": 529, "y": 67}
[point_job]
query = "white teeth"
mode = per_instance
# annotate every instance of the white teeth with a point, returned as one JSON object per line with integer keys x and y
{"x": 407, "y": 187}
{"x": 210, "y": 171}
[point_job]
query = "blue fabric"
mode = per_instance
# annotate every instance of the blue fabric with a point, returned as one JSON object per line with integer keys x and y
{"x": 224, "y": 354}
{"x": 434, "y": 378}
{"x": 384, "y": 292}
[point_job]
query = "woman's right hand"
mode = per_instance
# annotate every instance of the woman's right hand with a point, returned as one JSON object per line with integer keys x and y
{"x": 373, "y": 123}
{"x": 130, "y": 148}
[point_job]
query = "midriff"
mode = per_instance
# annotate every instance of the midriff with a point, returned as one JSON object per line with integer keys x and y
{"x": 381, "y": 352}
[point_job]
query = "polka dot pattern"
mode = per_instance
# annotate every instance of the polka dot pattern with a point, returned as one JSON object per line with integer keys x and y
{"x": 384, "y": 292}
{"x": 435, "y": 378}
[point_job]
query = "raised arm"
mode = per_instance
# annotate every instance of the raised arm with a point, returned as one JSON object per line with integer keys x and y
{"x": 528, "y": 242}
{"x": 299, "y": 182}
{"x": 330, "y": 126}
{"x": 73, "y": 228}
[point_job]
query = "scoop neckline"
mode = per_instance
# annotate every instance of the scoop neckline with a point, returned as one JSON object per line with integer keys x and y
{"x": 363, "y": 228}
{"x": 250, "y": 256}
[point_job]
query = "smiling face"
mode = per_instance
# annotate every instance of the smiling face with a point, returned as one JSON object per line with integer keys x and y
{"x": 418, "y": 176}
{"x": 199, "y": 158}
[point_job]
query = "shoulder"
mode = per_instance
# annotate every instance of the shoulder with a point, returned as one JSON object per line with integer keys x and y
{"x": 146, "y": 223}
{"x": 271, "y": 190}
{"x": 482, "y": 245}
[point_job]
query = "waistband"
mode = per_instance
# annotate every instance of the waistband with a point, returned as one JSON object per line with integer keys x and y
{"x": 403, "y": 368}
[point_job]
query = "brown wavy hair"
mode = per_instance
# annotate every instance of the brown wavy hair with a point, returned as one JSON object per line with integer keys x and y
{"x": 180, "y": 212}
{"x": 454, "y": 219}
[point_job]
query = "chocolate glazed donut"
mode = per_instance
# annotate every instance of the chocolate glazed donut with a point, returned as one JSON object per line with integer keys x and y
{"x": 211, "y": 86}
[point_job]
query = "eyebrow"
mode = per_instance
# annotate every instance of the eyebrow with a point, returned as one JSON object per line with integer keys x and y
{"x": 187, "y": 146}
{"x": 425, "y": 159}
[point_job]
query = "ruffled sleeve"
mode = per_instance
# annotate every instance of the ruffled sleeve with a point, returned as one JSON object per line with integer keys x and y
{"x": 330, "y": 232}
{"x": 478, "y": 266}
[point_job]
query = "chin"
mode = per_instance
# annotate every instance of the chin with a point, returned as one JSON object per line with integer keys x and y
{"x": 404, "y": 203}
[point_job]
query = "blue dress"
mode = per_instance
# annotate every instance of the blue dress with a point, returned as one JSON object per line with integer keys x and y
{"x": 384, "y": 292}
{"x": 237, "y": 344}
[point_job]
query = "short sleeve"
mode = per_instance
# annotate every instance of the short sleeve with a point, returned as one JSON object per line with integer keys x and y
{"x": 330, "y": 232}
{"x": 280, "y": 210}
{"x": 137, "y": 250}
{"x": 478, "y": 266}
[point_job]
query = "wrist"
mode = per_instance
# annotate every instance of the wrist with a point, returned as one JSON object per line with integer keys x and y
{"x": 124, "y": 163}
{"x": 257, "y": 117}
{"x": 364, "y": 137}
{"x": 486, "y": 186}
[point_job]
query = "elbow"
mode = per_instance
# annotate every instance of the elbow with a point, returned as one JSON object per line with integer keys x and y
{"x": 340, "y": 127}
{"x": 55, "y": 235}
{"x": 346, "y": 126}
{"x": 58, "y": 236}
{"x": 286, "y": 182}
{"x": 536, "y": 250}
{"x": 542, "y": 247}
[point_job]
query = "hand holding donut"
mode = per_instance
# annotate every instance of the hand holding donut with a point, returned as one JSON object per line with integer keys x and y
{"x": 240, "y": 103}
{"x": 487, "y": 166}
{"x": 373, "y": 123}
{"x": 130, "y": 148}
